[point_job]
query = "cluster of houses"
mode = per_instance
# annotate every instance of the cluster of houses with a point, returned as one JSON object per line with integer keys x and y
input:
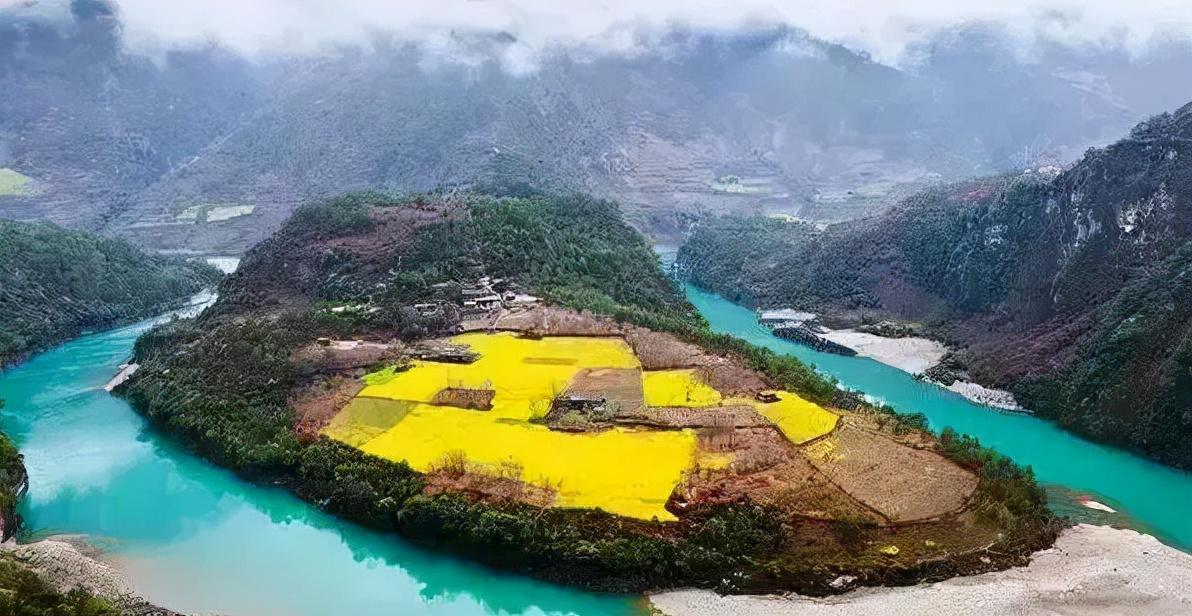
{"x": 486, "y": 295}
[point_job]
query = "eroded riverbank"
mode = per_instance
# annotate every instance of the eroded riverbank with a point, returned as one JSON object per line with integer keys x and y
{"x": 69, "y": 562}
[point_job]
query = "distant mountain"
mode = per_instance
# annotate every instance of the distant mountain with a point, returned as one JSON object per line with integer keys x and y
{"x": 769, "y": 120}
{"x": 1073, "y": 289}
{"x": 55, "y": 284}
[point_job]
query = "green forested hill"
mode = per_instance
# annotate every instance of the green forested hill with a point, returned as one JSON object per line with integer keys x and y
{"x": 390, "y": 252}
{"x": 56, "y": 283}
{"x": 241, "y": 386}
{"x": 1072, "y": 291}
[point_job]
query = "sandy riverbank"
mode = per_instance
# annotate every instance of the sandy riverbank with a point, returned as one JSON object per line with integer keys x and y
{"x": 995, "y": 398}
{"x": 126, "y": 371}
{"x": 1091, "y": 570}
{"x": 68, "y": 561}
{"x": 913, "y": 355}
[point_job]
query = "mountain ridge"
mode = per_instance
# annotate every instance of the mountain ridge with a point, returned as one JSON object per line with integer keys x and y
{"x": 1068, "y": 290}
{"x": 770, "y": 119}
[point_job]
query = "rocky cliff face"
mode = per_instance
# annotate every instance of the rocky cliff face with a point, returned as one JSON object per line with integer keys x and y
{"x": 1070, "y": 288}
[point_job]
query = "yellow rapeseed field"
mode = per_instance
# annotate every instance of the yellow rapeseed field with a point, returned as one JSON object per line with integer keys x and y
{"x": 524, "y": 374}
{"x": 627, "y": 472}
{"x": 630, "y": 473}
{"x": 678, "y": 388}
{"x": 798, "y": 419}
{"x": 364, "y": 419}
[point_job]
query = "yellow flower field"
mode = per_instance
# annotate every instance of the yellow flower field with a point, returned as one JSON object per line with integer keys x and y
{"x": 799, "y": 420}
{"x": 626, "y": 472}
{"x": 525, "y": 374}
{"x": 623, "y": 471}
{"x": 364, "y": 419}
{"x": 678, "y": 388}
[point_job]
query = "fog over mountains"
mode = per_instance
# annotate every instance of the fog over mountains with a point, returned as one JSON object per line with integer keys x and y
{"x": 153, "y": 130}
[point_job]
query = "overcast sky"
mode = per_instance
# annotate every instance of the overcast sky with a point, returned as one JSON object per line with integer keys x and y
{"x": 880, "y": 27}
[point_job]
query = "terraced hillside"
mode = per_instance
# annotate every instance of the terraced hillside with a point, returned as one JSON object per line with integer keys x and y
{"x": 516, "y": 380}
{"x": 769, "y": 119}
{"x": 55, "y": 284}
{"x": 1068, "y": 288}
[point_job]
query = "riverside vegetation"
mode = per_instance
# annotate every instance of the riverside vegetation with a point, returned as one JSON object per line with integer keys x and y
{"x": 1071, "y": 290}
{"x": 246, "y": 385}
{"x": 56, "y": 283}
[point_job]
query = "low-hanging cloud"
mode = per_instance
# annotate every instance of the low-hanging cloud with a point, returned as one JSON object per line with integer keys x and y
{"x": 880, "y": 27}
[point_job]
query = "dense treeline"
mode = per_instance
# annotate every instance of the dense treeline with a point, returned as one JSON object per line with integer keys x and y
{"x": 1071, "y": 291}
{"x": 573, "y": 249}
{"x": 222, "y": 382}
{"x": 56, "y": 283}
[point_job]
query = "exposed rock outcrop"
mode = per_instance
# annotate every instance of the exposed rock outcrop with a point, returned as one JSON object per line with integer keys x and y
{"x": 805, "y": 335}
{"x": 68, "y": 562}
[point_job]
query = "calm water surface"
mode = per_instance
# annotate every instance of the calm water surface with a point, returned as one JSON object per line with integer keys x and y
{"x": 1158, "y": 498}
{"x": 196, "y": 539}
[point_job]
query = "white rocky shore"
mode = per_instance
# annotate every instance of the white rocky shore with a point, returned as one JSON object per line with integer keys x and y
{"x": 910, "y": 354}
{"x": 995, "y": 398}
{"x": 68, "y": 561}
{"x": 1091, "y": 570}
{"x": 126, "y": 371}
{"x": 914, "y": 356}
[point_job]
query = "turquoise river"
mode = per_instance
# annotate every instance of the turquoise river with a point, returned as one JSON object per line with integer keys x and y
{"x": 196, "y": 539}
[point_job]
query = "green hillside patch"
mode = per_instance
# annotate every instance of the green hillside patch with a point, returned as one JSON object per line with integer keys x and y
{"x": 14, "y": 184}
{"x": 213, "y": 212}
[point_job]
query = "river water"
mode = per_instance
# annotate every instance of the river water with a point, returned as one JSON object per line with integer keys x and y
{"x": 1156, "y": 498}
{"x": 194, "y": 538}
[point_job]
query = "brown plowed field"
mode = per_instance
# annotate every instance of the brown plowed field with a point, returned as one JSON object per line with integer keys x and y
{"x": 903, "y": 483}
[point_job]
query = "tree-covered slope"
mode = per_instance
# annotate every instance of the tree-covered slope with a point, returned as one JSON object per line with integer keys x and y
{"x": 389, "y": 253}
{"x": 1069, "y": 290}
{"x": 56, "y": 283}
